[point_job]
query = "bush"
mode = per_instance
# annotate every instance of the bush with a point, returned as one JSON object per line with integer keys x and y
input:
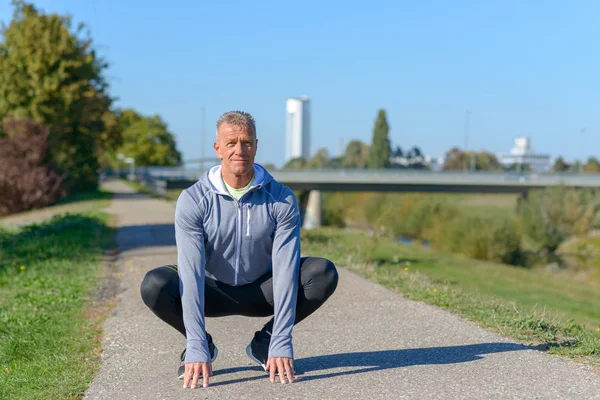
{"x": 428, "y": 219}
{"x": 490, "y": 238}
{"x": 551, "y": 215}
{"x": 27, "y": 179}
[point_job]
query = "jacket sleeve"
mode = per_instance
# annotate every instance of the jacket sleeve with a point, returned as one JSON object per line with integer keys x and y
{"x": 286, "y": 265}
{"x": 189, "y": 236}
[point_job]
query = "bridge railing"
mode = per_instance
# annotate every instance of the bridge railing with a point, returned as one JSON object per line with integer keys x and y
{"x": 391, "y": 176}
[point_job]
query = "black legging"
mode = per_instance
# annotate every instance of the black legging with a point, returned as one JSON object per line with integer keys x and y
{"x": 160, "y": 292}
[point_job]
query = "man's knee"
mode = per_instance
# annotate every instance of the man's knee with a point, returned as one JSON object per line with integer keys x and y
{"x": 153, "y": 285}
{"x": 323, "y": 276}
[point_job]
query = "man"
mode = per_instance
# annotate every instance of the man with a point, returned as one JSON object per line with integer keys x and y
{"x": 238, "y": 253}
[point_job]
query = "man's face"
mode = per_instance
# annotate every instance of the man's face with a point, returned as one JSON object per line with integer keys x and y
{"x": 237, "y": 148}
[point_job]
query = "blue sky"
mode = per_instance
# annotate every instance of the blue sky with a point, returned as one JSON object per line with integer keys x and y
{"x": 527, "y": 68}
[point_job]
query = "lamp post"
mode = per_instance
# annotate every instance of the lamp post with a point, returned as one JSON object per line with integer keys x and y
{"x": 131, "y": 162}
{"x": 582, "y": 131}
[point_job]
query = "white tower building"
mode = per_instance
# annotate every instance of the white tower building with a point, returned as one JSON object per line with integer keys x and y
{"x": 297, "y": 128}
{"x": 523, "y": 154}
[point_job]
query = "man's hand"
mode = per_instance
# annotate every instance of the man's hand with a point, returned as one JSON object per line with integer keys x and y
{"x": 193, "y": 372}
{"x": 284, "y": 366}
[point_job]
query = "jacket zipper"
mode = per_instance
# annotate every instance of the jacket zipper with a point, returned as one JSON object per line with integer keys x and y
{"x": 239, "y": 235}
{"x": 239, "y": 242}
{"x": 248, "y": 220}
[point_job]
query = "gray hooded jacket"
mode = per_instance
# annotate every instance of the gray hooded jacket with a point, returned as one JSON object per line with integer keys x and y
{"x": 235, "y": 242}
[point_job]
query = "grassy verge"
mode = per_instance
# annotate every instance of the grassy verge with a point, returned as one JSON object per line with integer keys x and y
{"x": 48, "y": 345}
{"x": 535, "y": 307}
{"x": 77, "y": 203}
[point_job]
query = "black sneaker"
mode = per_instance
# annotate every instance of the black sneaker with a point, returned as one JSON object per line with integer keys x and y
{"x": 258, "y": 349}
{"x": 214, "y": 352}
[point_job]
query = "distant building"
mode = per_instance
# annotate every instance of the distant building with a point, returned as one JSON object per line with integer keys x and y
{"x": 297, "y": 128}
{"x": 522, "y": 154}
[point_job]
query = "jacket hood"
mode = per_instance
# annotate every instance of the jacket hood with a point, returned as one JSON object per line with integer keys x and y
{"x": 213, "y": 180}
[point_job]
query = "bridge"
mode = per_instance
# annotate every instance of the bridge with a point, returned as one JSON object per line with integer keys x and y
{"x": 310, "y": 183}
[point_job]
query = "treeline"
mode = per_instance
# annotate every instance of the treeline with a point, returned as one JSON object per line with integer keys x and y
{"x": 380, "y": 154}
{"x": 59, "y": 125}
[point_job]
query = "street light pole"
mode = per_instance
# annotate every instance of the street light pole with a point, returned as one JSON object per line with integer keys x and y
{"x": 582, "y": 132}
{"x": 467, "y": 128}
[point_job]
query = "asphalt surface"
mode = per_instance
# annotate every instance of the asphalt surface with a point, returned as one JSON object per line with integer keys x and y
{"x": 366, "y": 342}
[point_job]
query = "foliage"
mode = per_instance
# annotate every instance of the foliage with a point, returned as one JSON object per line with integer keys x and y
{"x": 332, "y": 216}
{"x": 356, "y": 155}
{"x": 484, "y": 237}
{"x": 457, "y": 159}
{"x": 27, "y": 179}
{"x": 295, "y": 163}
{"x": 592, "y": 165}
{"x": 54, "y": 76}
{"x": 551, "y": 215}
{"x": 319, "y": 161}
{"x": 560, "y": 165}
{"x": 490, "y": 237}
{"x": 147, "y": 140}
{"x": 380, "y": 150}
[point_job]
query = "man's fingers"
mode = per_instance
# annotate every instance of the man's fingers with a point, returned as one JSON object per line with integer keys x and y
{"x": 289, "y": 369}
{"x": 281, "y": 370}
{"x": 186, "y": 376}
{"x": 205, "y": 374}
{"x": 196, "y": 376}
{"x": 272, "y": 368}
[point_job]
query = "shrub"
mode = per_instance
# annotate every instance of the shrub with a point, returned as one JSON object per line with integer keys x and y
{"x": 27, "y": 179}
{"x": 490, "y": 238}
{"x": 551, "y": 215}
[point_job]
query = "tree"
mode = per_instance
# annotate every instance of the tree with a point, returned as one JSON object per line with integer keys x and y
{"x": 486, "y": 161}
{"x": 551, "y": 215}
{"x": 54, "y": 77}
{"x": 27, "y": 179}
{"x": 379, "y": 153}
{"x": 560, "y": 165}
{"x": 295, "y": 163}
{"x": 455, "y": 159}
{"x": 414, "y": 153}
{"x": 398, "y": 152}
{"x": 356, "y": 155}
{"x": 147, "y": 140}
{"x": 319, "y": 161}
{"x": 335, "y": 162}
{"x": 592, "y": 165}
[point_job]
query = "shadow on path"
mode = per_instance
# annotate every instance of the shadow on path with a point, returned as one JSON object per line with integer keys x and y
{"x": 138, "y": 236}
{"x": 381, "y": 360}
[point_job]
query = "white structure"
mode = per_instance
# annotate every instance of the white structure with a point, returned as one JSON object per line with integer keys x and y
{"x": 523, "y": 154}
{"x": 297, "y": 128}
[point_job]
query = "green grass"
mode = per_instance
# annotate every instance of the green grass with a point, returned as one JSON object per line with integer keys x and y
{"x": 48, "y": 344}
{"x": 532, "y": 306}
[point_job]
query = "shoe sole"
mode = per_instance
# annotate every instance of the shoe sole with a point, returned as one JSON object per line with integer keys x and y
{"x": 211, "y": 361}
{"x": 256, "y": 360}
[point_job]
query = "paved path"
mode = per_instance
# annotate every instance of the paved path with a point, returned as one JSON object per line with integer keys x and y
{"x": 366, "y": 342}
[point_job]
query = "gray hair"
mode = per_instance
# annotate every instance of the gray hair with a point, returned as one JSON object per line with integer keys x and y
{"x": 238, "y": 118}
